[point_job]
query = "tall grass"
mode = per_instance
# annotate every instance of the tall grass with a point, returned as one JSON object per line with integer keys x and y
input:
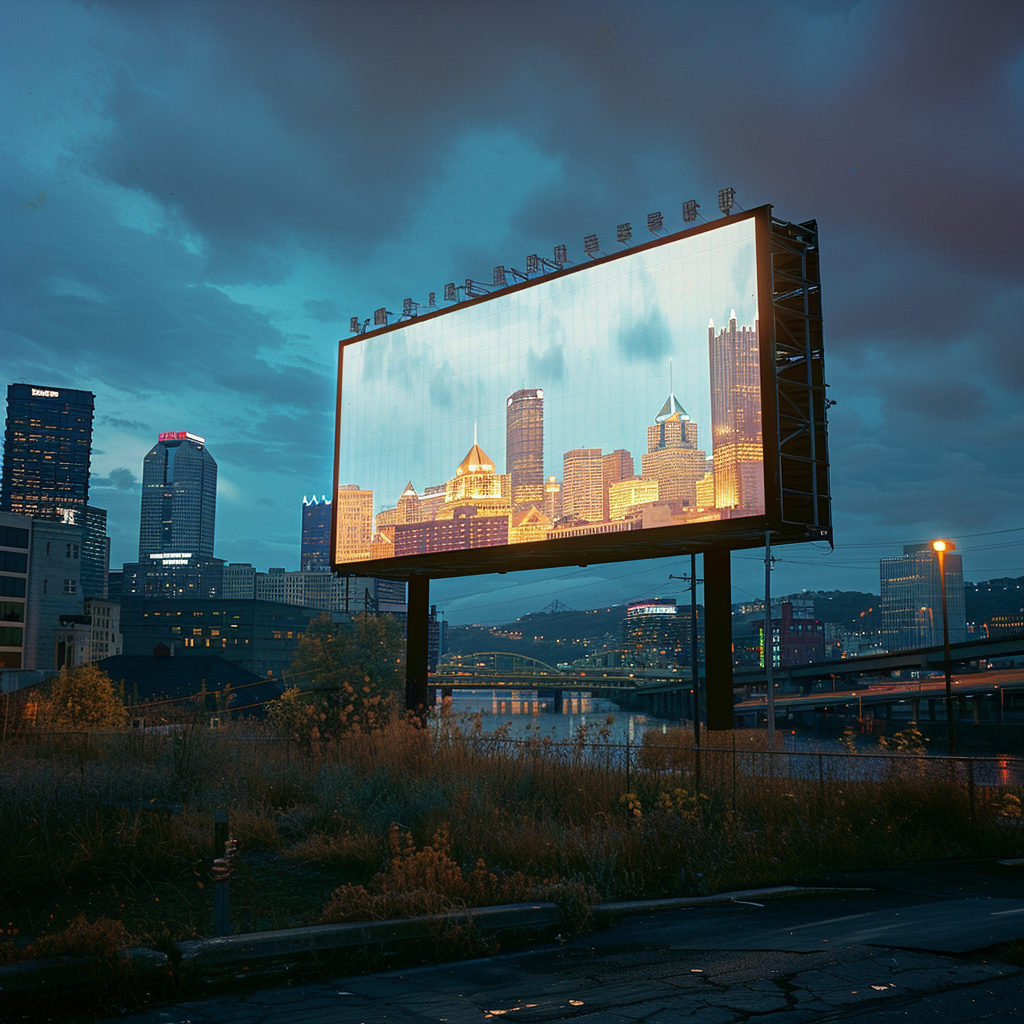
{"x": 132, "y": 813}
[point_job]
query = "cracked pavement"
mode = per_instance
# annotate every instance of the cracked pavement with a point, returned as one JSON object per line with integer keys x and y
{"x": 896, "y": 946}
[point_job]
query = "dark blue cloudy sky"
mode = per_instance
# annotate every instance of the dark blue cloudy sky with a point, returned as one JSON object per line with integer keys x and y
{"x": 227, "y": 182}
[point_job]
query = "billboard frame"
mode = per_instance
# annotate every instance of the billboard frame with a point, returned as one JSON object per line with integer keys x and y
{"x": 794, "y": 427}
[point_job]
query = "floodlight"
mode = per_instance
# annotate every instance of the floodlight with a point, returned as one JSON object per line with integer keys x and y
{"x": 499, "y": 277}
{"x": 533, "y": 264}
{"x": 655, "y": 222}
{"x": 353, "y": 325}
{"x": 590, "y": 245}
{"x": 624, "y": 232}
{"x": 561, "y": 255}
{"x": 380, "y": 317}
{"x": 449, "y": 292}
{"x": 477, "y": 287}
{"x": 431, "y": 299}
{"x": 407, "y": 305}
{"x": 726, "y": 198}
{"x": 690, "y": 208}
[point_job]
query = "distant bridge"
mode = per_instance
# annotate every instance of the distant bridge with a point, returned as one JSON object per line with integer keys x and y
{"x": 669, "y": 694}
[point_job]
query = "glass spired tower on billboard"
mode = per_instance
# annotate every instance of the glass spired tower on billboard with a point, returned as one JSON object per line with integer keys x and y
{"x": 559, "y": 385}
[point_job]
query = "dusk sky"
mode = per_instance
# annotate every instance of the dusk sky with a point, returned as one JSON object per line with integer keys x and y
{"x": 197, "y": 196}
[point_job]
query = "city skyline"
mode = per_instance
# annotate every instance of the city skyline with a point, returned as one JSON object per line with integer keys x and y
{"x": 209, "y": 223}
{"x": 605, "y": 345}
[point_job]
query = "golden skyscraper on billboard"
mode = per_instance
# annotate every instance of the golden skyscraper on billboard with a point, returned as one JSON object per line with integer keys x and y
{"x": 736, "y": 439}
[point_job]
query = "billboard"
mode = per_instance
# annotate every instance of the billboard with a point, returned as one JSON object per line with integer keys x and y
{"x": 621, "y": 408}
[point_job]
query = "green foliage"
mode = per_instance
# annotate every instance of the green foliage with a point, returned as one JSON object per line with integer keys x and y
{"x": 82, "y": 698}
{"x": 349, "y": 676}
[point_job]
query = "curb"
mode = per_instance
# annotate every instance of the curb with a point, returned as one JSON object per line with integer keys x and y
{"x": 264, "y": 957}
{"x": 609, "y": 913}
{"x": 242, "y": 957}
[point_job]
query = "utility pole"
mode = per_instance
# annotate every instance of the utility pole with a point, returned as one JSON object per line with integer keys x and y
{"x": 769, "y": 645}
{"x": 694, "y": 670}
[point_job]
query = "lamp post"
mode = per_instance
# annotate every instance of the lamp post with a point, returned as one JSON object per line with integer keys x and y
{"x": 940, "y": 547}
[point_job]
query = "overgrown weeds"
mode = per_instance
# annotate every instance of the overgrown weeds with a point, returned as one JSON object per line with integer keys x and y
{"x": 405, "y": 820}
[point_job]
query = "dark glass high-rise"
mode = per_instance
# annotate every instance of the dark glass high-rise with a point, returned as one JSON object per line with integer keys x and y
{"x": 179, "y": 497}
{"x": 47, "y": 448}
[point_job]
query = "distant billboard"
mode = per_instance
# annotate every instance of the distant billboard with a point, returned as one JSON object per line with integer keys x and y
{"x": 621, "y": 408}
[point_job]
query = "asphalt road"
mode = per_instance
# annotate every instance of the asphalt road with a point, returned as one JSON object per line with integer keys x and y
{"x": 898, "y": 946}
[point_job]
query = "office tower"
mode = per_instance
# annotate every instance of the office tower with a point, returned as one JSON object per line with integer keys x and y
{"x": 912, "y": 599}
{"x": 672, "y": 457}
{"x": 47, "y": 446}
{"x": 15, "y": 548}
{"x": 656, "y": 632}
{"x": 626, "y": 494}
{"x": 316, "y": 534}
{"x": 616, "y": 467}
{"x": 672, "y": 427}
{"x": 524, "y": 446}
{"x": 355, "y": 523}
{"x": 736, "y": 417}
{"x": 583, "y": 484}
{"x": 552, "y": 506}
{"x": 95, "y": 551}
{"x": 54, "y": 588}
{"x": 179, "y": 497}
{"x": 477, "y": 488}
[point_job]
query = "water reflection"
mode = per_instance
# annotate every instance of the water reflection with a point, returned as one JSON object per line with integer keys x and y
{"x": 527, "y": 715}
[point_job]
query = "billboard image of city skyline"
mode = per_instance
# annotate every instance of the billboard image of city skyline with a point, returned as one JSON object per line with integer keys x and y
{"x": 624, "y": 396}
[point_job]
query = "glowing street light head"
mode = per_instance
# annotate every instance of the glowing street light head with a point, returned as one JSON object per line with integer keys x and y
{"x": 943, "y": 545}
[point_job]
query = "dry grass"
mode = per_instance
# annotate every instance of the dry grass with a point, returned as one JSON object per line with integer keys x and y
{"x": 406, "y": 820}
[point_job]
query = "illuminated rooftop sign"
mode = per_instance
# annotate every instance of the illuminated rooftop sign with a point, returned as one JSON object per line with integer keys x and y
{"x": 651, "y": 609}
{"x": 180, "y": 435}
{"x": 45, "y": 393}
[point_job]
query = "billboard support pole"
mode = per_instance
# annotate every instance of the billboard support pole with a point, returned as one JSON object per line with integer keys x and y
{"x": 694, "y": 671}
{"x": 718, "y": 638}
{"x": 417, "y": 632}
{"x": 769, "y": 638}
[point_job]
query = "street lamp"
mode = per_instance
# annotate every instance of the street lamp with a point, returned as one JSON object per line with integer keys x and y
{"x": 940, "y": 547}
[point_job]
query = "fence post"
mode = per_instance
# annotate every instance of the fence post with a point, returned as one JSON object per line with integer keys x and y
{"x": 970, "y": 786}
{"x": 734, "y": 770}
{"x": 221, "y": 873}
{"x": 821, "y": 775}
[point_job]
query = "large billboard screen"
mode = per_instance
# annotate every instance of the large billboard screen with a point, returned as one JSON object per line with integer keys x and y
{"x": 595, "y": 413}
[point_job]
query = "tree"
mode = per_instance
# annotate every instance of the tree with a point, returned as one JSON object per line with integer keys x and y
{"x": 82, "y": 698}
{"x": 349, "y": 673}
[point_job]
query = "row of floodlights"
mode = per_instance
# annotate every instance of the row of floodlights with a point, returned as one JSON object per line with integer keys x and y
{"x": 535, "y": 263}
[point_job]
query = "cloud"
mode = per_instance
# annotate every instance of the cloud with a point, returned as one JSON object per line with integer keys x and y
{"x": 548, "y": 366}
{"x": 122, "y": 424}
{"x": 120, "y": 479}
{"x": 646, "y": 339}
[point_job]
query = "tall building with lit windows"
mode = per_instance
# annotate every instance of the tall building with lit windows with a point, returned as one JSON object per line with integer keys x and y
{"x": 616, "y": 467}
{"x": 672, "y": 458}
{"x": 316, "y": 534}
{"x": 47, "y": 449}
{"x": 736, "y": 438}
{"x": 179, "y": 497}
{"x": 524, "y": 446}
{"x": 354, "y": 509}
{"x": 912, "y": 599}
{"x": 583, "y": 484}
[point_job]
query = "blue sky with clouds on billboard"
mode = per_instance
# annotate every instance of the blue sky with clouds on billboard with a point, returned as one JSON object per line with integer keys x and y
{"x": 196, "y": 197}
{"x": 602, "y": 343}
